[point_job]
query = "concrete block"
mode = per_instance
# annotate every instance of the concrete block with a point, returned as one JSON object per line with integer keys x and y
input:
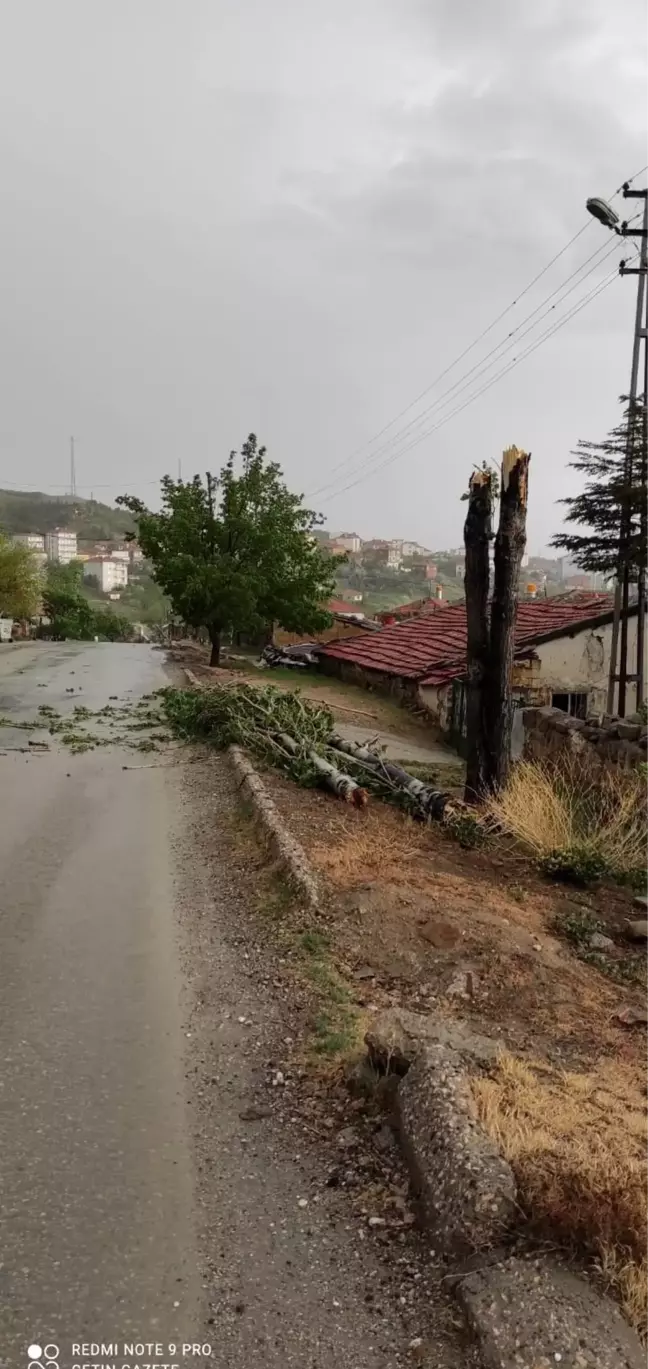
{"x": 628, "y": 732}
{"x": 466, "y": 1188}
{"x": 533, "y": 1314}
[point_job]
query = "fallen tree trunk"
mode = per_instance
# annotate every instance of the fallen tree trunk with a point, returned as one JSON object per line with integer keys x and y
{"x": 342, "y": 785}
{"x": 430, "y": 801}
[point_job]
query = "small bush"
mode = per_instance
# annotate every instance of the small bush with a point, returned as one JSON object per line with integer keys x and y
{"x": 580, "y": 822}
{"x": 573, "y": 865}
{"x": 467, "y": 830}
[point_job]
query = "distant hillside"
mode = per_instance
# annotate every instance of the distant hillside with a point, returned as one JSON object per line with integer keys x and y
{"x": 24, "y": 511}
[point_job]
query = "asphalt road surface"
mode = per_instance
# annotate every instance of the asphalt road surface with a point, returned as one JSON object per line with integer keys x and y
{"x": 148, "y": 1194}
{"x": 97, "y": 1234}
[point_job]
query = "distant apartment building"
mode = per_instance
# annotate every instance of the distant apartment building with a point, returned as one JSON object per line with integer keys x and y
{"x": 34, "y": 540}
{"x": 415, "y": 549}
{"x": 61, "y": 545}
{"x": 110, "y": 574}
{"x": 394, "y": 557}
{"x": 349, "y": 541}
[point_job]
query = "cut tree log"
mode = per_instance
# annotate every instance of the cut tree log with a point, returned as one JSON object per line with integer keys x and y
{"x": 431, "y": 802}
{"x": 341, "y": 785}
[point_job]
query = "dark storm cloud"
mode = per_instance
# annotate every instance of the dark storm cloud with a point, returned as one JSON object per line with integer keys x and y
{"x": 220, "y": 217}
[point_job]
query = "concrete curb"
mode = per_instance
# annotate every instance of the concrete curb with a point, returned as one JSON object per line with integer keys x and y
{"x": 193, "y": 679}
{"x": 466, "y": 1188}
{"x": 288, "y": 851}
{"x": 291, "y": 856}
{"x": 522, "y": 1311}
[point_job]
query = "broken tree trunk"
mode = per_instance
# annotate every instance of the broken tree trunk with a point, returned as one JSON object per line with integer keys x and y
{"x": 509, "y": 548}
{"x": 477, "y": 535}
{"x": 341, "y": 784}
{"x": 431, "y": 802}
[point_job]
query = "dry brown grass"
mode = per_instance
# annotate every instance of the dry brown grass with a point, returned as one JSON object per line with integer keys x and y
{"x": 575, "y": 806}
{"x": 577, "y": 1146}
{"x": 361, "y": 857}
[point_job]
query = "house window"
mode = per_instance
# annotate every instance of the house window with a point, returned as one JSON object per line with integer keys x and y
{"x": 574, "y": 704}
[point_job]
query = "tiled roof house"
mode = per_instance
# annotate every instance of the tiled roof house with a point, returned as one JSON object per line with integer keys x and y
{"x": 561, "y": 654}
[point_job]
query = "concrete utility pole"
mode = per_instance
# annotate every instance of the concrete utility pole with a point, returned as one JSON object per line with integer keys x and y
{"x": 603, "y": 212}
{"x": 73, "y": 486}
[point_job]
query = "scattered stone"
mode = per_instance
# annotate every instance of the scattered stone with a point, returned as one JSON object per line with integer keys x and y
{"x": 302, "y": 1202}
{"x": 254, "y": 1114}
{"x": 347, "y": 1138}
{"x": 599, "y": 942}
{"x": 641, "y": 902}
{"x": 376, "y": 1221}
{"x": 440, "y": 933}
{"x": 530, "y": 1314}
{"x": 365, "y": 972}
{"x": 464, "y": 985}
{"x": 384, "y": 1139}
{"x": 396, "y": 1037}
{"x": 628, "y": 732}
{"x": 631, "y": 1016}
{"x": 637, "y": 931}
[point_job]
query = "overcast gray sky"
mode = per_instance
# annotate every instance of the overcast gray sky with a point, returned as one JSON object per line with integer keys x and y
{"x": 288, "y": 217}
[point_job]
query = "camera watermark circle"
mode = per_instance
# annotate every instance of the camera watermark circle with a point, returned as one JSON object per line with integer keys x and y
{"x": 37, "y": 1354}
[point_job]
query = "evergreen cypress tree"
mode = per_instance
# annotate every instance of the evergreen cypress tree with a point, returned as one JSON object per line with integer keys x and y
{"x": 595, "y": 513}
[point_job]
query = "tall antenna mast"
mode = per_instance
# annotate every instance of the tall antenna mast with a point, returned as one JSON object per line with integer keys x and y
{"x": 73, "y": 487}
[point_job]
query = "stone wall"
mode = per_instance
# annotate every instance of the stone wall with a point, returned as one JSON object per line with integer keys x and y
{"x": 548, "y": 732}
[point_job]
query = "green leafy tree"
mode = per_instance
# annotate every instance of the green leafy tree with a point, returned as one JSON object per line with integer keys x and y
{"x": 20, "y": 581}
{"x": 65, "y": 605}
{"x": 595, "y": 514}
{"x": 111, "y": 626}
{"x": 236, "y": 553}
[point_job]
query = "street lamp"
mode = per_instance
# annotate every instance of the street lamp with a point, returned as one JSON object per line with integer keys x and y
{"x": 604, "y": 212}
{"x": 601, "y": 210}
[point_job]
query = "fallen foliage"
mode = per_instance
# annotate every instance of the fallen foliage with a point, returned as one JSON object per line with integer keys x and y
{"x": 576, "y": 1143}
{"x": 297, "y": 736}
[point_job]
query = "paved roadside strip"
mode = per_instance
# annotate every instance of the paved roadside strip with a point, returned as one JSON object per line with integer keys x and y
{"x": 524, "y": 1311}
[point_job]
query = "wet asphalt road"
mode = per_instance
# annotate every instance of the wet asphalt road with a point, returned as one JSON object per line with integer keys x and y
{"x": 154, "y": 1185}
{"x": 97, "y": 1238}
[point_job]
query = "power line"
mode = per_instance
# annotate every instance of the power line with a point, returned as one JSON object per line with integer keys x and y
{"x": 370, "y": 441}
{"x": 484, "y": 364}
{"x": 549, "y": 332}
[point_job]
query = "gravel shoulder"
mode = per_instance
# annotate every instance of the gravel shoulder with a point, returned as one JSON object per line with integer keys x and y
{"x": 293, "y": 1271}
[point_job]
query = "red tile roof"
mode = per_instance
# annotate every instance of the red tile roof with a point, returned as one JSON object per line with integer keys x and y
{"x": 432, "y": 647}
{"x": 412, "y": 609}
